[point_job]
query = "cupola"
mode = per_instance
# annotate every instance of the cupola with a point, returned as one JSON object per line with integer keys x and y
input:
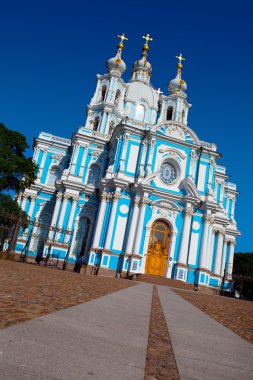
{"x": 178, "y": 85}
{"x": 116, "y": 65}
{"x": 142, "y": 68}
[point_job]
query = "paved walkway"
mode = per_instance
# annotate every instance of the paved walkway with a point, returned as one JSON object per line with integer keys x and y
{"x": 204, "y": 348}
{"x": 107, "y": 339}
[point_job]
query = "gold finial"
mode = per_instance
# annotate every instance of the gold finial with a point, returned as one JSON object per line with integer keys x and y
{"x": 147, "y": 38}
{"x": 122, "y": 38}
{"x": 180, "y": 58}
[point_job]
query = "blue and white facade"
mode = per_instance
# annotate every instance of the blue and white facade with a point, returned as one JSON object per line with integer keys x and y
{"x": 134, "y": 163}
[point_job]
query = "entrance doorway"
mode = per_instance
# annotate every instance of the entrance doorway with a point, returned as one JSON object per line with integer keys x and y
{"x": 158, "y": 249}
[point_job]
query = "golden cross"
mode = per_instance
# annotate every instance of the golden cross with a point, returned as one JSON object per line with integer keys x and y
{"x": 147, "y": 38}
{"x": 122, "y": 37}
{"x": 180, "y": 58}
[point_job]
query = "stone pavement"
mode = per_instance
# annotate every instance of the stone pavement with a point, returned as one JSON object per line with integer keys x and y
{"x": 107, "y": 338}
{"x": 204, "y": 348}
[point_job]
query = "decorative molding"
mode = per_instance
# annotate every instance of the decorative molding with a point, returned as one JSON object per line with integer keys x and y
{"x": 188, "y": 211}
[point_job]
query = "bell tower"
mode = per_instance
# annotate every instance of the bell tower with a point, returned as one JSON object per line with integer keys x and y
{"x": 175, "y": 106}
{"x": 106, "y": 108}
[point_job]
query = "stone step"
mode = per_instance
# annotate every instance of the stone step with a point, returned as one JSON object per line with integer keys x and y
{"x": 158, "y": 280}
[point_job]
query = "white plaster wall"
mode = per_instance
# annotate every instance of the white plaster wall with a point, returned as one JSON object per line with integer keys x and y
{"x": 201, "y": 177}
{"x": 193, "y": 248}
{"x": 119, "y": 233}
{"x": 132, "y": 158}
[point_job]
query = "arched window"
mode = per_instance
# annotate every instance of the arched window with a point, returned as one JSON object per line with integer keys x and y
{"x": 183, "y": 116}
{"x": 96, "y": 124}
{"x": 41, "y": 235}
{"x": 94, "y": 175}
{"x": 81, "y": 239}
{"x": 117, "y": 97}
{"x": 54, "y": 175}
{"x": 169, "y": 113}
{"x": 140, "y": 112}
{"x": 103, "y": 92}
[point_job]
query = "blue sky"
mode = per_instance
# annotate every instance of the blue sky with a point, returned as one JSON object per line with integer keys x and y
{"x": 52, "y": 50}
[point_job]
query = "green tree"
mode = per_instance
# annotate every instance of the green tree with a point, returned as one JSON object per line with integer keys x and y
{"x": 16, "y": 170}
{"x": 16, "y": 173}
{"x": 243, "y": 274}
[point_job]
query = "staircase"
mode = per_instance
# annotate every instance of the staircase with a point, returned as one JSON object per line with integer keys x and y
{"x": 158, "y": 280}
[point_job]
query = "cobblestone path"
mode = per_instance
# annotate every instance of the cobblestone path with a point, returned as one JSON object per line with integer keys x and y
{"x": 29, "y": 291}
{"x": 233, "y": 313}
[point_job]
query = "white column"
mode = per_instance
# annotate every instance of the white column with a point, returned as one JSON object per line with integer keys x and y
{"x": 100, "y": 220}
{"x": 76, "y": 153}
{"x": 150, "y": 157}
{"x": 221, "y": 194}
{"x": 192, "y": 163}
{"x": 132, "y": 230}
{"x": 224, "y": 252}
{"x": 210, "y": 177}
{"x": 123, "y": 155}
{"x": 184, "y": 246}
{"x": 111, "y": 221}
{"x": 162, "y": 116}
{"x": 42, "y": 163}
{"x": 71, "y": 216}
{"x": 62, "y": 214}
{"x": 31, "y": 207}
{"x": 218, "y": 254}
{"x": 36, "y": 154}
{"x": 23, "y": 204}
{"x": 81, "y": 170}
{"x": 139, "y": 229}
{"x": 231, "y": 257}
{"x": 204, "y": 242}
{"x": 210, "y": 248}
{"x": 233, "y": 210}
{"x": 143, "y": 158}
{"x": 55, "y": 214}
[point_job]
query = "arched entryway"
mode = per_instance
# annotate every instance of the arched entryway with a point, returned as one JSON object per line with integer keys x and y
{"x": 158, "y": 248}
{"x": 81, "y": 242}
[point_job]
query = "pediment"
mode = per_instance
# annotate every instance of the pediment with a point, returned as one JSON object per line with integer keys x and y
{"x": 190, "y": 188}
{"x": 177, "y": 131}
{"x": 166, "y": 204}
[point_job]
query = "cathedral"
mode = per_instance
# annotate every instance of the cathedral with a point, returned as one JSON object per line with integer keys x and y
{"x": 134, "y": 190}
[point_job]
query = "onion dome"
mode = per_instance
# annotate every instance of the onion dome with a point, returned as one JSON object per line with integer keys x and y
{"x": 116, "y": 64}
{"x": 177, "y": 84}
{"x": 142, "y": 68}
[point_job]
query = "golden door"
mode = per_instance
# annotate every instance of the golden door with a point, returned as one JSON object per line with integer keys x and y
{"x": 158, "y": 248}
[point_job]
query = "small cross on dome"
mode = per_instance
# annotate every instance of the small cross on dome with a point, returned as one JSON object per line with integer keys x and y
{"x": 180, "y": 58}
{"x": 147, "y": 38}
{"x": 159, "y": 92}
{"x": 122, "y": 37}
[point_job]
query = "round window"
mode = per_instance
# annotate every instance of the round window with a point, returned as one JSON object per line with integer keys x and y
{"x": 168, "y": 173}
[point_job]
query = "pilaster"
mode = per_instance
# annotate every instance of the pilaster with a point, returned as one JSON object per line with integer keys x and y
{"x": 140, "y": 229}
{"x": 184, "y": 246}
{"x": 108, "y": 239}
{"x": 100, "y": 220}
{"x": 131, "y": 234}
{"x": 218, "y": 255}
{"x": 71, "y": 217}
